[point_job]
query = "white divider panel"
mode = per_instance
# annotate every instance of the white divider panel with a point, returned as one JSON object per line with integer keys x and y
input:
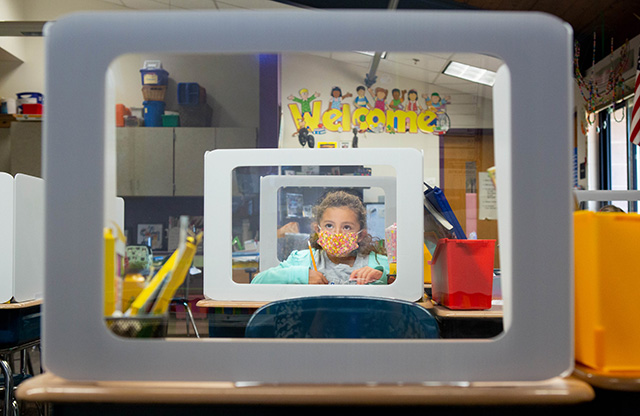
{"x": 269, "y": 186}
{"x": 28, "y": 274}
{"x": 6, "y": 236}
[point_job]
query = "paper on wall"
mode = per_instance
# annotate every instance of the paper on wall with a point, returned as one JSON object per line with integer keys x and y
{"x": 487, "y": 203}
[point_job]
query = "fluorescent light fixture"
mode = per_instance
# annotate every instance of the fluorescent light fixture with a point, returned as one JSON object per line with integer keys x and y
{"x": 383, "y": 55}
{"x": 21, "y": 28}
{"x": 470, "y": 73}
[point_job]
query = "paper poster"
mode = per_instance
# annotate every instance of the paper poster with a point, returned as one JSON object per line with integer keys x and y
{"x": 150, "y": 235}
{"x": 487, "y": 203}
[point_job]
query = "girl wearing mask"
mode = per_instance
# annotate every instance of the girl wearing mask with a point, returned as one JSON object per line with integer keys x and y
{"x": 343, "y": 251}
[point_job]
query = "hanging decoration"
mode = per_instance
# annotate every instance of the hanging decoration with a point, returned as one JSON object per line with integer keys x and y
{"x": 607, "y": 88}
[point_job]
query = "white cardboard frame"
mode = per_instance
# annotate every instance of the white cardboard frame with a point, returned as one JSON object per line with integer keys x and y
{"x": 269, "y": 186}
{"x": 534, "y": 199}
{"x": 219, "y": 166}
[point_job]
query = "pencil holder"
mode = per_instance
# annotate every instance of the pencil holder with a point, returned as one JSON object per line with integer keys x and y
{"x": 152, "y": 326}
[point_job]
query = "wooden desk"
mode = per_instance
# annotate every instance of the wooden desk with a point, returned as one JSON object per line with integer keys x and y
{"x": 623, "y": 380}
{"x": 456, "y": 323}
{"x": 228, "y": 318}
{"x": 168, "y": 397}
{"x": 19, "y": 305}
{"x": 21, "y": 331}
{"x": 210, "y": 303}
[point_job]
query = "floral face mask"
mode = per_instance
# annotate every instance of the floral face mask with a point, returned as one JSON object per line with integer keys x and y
{"x": 338, "y": 244}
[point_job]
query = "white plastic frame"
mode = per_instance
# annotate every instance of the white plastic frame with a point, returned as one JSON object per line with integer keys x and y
{"x": 534, "y": 201}
{"x": 6, "y": 236}
{"x": 22, "y": 237}
{"x": 269, "y": 186}
{"x": 219, "y": 166}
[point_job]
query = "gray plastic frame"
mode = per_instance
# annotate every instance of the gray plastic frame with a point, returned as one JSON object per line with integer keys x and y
{"x": 532, "y": 106}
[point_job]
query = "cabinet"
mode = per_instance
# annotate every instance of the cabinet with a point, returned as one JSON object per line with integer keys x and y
{"x": 192, "y": 143}
{"x": 145, "y": 161}
{"x": 168, "y": 161}
{"x": 157, "y": 161}
{"x": 26, "y": 148}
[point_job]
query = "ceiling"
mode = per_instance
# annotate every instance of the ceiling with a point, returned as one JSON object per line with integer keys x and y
{"x": 613, "y": 21}
{"x": 610, "y": 20}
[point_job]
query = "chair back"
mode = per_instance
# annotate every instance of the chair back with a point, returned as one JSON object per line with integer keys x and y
{"x": 342, "y": 317}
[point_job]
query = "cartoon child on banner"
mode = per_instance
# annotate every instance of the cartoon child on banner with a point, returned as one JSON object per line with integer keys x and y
{"x": 396, "y": 103}
{"x": 303, "y": 134}
{"x": 361, "y": 100}
{"x": 439, "y": 106}
{"x": 380, "y": 96}
{"x": 413, "y": 104}
{"x": 304, "y": 100}
{"x": 397, "y": 100}
{"x": 335, "y": 102}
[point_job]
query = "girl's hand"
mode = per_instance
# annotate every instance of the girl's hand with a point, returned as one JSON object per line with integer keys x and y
{"x": 365, "y": 275}
{"x": 317, "y": 278}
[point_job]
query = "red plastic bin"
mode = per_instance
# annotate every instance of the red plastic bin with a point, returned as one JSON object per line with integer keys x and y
{"x": 462, "y": 273}
{"x": 31, "y": 108}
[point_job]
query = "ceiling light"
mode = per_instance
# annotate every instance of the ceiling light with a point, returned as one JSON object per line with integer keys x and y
{"x": 21, "y": 28}
{"x": 470, "y": 73}
{"x": 383, "y": 55}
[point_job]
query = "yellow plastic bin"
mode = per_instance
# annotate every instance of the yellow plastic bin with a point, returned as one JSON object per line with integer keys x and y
{"x": 607, "y": 291}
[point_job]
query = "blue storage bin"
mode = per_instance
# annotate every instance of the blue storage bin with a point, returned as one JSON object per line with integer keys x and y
{"x": 19, "y": 326}
{"x": 153, "y": 111}
{"x": 36, "y": 95}
{"x": 154, "y": 76}
{"x": 190, "y": 93}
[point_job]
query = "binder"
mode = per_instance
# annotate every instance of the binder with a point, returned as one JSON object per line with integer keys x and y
{"x": 436, "y": 198}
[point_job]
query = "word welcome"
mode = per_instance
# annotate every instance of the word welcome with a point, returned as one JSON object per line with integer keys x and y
{"x": 363, "y": 118}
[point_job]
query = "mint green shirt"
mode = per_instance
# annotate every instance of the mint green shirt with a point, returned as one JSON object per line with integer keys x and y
{"x": 295, "y": 269}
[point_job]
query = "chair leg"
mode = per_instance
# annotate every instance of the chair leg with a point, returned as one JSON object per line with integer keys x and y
{"x": 190, "y": 315}
{"x": 8, "y": 388}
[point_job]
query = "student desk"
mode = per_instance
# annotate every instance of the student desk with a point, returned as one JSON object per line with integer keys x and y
{"x": 229, "y": 318}
{"x": 457, "y": 323}
{"x": 622, "y": 381}
{"x": 204, "y": 398}
{"x": 617, "y": 392}
{"x": 20, "y": 330}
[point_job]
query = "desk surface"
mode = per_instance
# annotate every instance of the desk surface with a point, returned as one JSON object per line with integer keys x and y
{"x": 18, "y": 305}
{"x": 494, "y": 312}
{"x": 444, "y": 312}
{"x": 210, "y": 303}
{"x": 49, "y": 388}
{"x": 621, "y": 380}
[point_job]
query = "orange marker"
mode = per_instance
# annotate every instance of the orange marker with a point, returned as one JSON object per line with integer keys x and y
{"x": 312, "y": 258}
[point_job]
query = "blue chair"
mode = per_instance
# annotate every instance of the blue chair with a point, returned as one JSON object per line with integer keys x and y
{"x": 342, "y": 317}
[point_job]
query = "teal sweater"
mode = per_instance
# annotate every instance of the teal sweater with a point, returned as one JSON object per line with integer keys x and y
{"x": 295, "y": 269}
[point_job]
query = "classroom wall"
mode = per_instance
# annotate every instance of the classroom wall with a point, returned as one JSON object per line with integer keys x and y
{"x": 586, "y": 137}
{"x": 231, "y": 82}
{"x": 26, "y": 71}
{"x": 13, "y": 47}
{"x": 317, "y": 73}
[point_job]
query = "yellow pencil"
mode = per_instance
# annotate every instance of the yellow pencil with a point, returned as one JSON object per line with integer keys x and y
{"x": 312, "y": 258}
